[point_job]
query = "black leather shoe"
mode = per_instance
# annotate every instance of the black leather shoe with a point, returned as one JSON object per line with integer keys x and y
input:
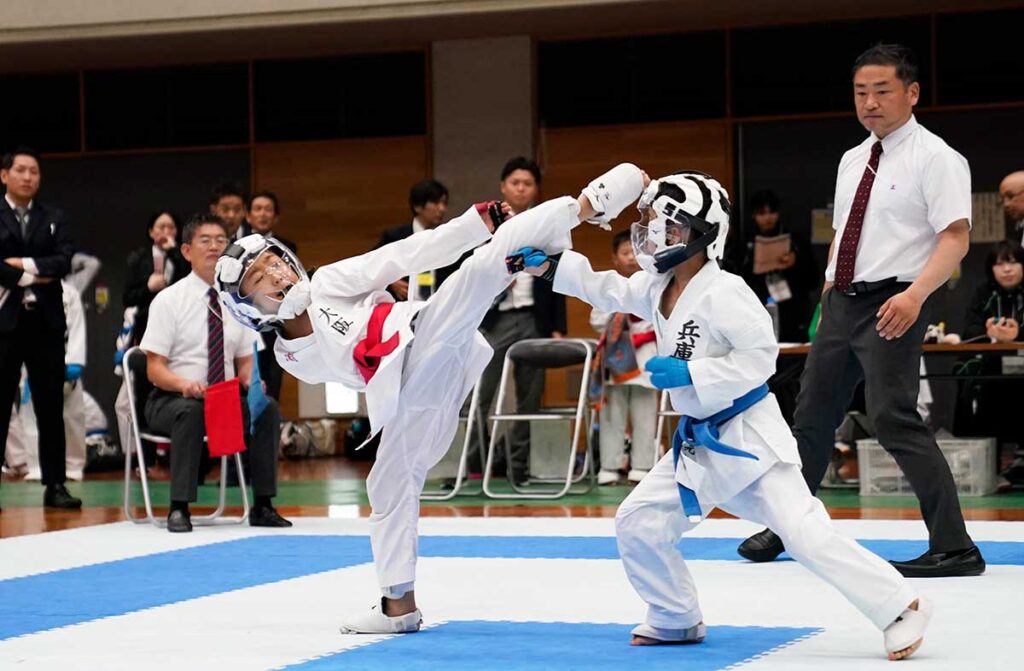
{"x": 266, "y": 516}
{"x": 943, "y": 564}
{"x": 58, "y": 496}
{"x": 179, "y": 522}
{"x": 761, "y": 547}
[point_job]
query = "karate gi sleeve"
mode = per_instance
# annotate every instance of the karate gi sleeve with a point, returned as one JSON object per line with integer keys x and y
{"x": 420, "y": 252}
{"x": 74, "y": 351}
{"x": 738, "y": 319}
{"x": 607, "y": 291}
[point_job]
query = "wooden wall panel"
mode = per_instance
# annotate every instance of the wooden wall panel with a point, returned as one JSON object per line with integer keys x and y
{"x": 571, "y": 157}
{"x": 336, "y": 196}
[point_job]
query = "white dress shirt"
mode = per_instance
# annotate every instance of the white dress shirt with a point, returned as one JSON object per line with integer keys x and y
{"x": 922, "y": 186}
{"x": 177, "y": 330}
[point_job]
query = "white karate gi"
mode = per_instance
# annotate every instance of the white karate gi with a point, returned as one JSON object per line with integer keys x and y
{"x": 727, "y": 336}
{"x": 24, "y": 449}
{"x": 418, "y": 389}
{"x": 634, "y": 399}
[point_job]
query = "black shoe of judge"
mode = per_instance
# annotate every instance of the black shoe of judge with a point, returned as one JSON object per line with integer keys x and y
{"x": 943, "y": 564}
{"x": 266, "y": 516}
{"x": 761, "y": 547}
{"x": 58, "y": 496}
{"x": 179, "y": 521}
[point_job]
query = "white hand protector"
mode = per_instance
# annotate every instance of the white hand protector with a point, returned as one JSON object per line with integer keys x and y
{"x": 296, "y": 301}
{"x": 613, "y": 191}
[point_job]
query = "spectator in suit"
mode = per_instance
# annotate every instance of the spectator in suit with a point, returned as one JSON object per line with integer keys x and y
{"x": 152, "y": 268}
{"x": 528, "y": 309}
{"x": 1011, "y": 190}
{"x": 189, "y": 345}
{"x": 262, "y": 215}
{"x": 36, "y": 249}
{"x": 428, "y": 202}
{"x": 228, "y": 202}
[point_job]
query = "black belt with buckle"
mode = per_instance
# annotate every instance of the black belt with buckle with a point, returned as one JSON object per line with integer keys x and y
{"x": 859, "y": 288}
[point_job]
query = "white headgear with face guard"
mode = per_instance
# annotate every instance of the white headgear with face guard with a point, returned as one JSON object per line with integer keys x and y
{"x": 281, "y": 289}
{"x": 680, "y": 215}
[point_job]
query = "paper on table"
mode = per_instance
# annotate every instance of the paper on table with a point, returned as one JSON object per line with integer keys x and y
{"x": 767, "y": 251}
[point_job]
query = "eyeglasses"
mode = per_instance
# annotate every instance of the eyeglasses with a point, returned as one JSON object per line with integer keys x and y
{"x": 210, "y": 240}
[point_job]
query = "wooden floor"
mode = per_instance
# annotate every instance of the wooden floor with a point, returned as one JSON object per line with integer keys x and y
{"x": 313, "y": 487}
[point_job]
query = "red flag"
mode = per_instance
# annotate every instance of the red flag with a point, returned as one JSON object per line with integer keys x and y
{"x": 224, "y": 434}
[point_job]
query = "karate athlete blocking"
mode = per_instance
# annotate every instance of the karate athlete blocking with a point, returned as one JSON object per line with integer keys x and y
{"x": 416, "y": 361}
{"x": 733, "y": 449}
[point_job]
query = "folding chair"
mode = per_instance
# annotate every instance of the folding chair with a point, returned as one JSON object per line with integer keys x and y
{"x": 472, "y": 421}
{"x": 547, "y": 353}
{"x": 134, "y": 368}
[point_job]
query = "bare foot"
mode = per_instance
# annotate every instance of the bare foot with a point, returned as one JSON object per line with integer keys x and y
{"x": 907, "y": 652}
{"x": 643, "y": 640}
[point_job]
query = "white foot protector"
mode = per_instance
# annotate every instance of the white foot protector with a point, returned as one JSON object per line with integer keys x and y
{"x": 605, "y": 477}
{"x": 374, "y": 621}
{"x": 694, "y": 634}
{"x": 613, "y": 192}
{"x": 907, "y": 631}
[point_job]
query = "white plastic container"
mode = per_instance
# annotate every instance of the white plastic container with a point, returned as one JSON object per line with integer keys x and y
{"x": 972, "y": 461}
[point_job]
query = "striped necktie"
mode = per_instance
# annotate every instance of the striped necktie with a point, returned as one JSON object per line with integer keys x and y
{"x": 214, "y": 340}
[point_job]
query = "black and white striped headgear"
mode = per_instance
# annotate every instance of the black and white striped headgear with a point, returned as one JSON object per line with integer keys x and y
{"x": 690, "y": 199}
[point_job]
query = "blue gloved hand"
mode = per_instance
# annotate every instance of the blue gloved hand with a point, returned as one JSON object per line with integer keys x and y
{"x": 525, "y": 257}
{"x": 73, "y": 372}
{"x": 668, "y": 372}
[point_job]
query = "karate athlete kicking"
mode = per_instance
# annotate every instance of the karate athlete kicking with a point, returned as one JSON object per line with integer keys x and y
{"x": 416, "y": 361}
{"x": 733, "y": 450}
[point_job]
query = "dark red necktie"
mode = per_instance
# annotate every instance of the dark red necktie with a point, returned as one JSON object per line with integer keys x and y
{"x": 214, "y": 341}
{"x": 847, "y": 255}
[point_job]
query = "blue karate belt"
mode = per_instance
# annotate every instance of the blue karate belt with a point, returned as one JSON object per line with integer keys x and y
{"x": 704, "y": 432}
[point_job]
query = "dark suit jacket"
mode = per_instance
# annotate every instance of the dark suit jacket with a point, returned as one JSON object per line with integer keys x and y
{"x": 49, "y": 244}
{"x": 404, "y": 231}
{"x": 136, "y": 291}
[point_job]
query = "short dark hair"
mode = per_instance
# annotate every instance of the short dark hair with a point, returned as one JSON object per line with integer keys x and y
{"x": 896, "y": 55}
{"x": 1007, "y": 250}
{"x": 159, "y": 213}
{"x": 9, "y": 157}
{"x": 521, "y": 163}
{"x": 269, "y": 195}
{"x": 765, "y": 198}
{"x": 200, "y": 219}
{"x": 225, "y": 190}
{"x": 426, "y": 191}
{"x": 619, "y": 238}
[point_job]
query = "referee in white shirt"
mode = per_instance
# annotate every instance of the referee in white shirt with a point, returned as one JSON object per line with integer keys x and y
{"x": 902, "y": 221}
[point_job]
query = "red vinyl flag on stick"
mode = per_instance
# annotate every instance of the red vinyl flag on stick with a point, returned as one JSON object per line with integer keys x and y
{"x": 224, "y": 434}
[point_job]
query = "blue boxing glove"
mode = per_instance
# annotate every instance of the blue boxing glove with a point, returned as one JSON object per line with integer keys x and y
{"x": 668, "y": 372}
{"x": 73, "y": 372}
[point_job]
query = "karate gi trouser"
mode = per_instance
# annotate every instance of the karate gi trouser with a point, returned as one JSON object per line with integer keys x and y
{"x": 74, "y": 435}
{"x": 651, "y": 521}
{"x": 433, "y": 387}
{"x": 640, "y": 406}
